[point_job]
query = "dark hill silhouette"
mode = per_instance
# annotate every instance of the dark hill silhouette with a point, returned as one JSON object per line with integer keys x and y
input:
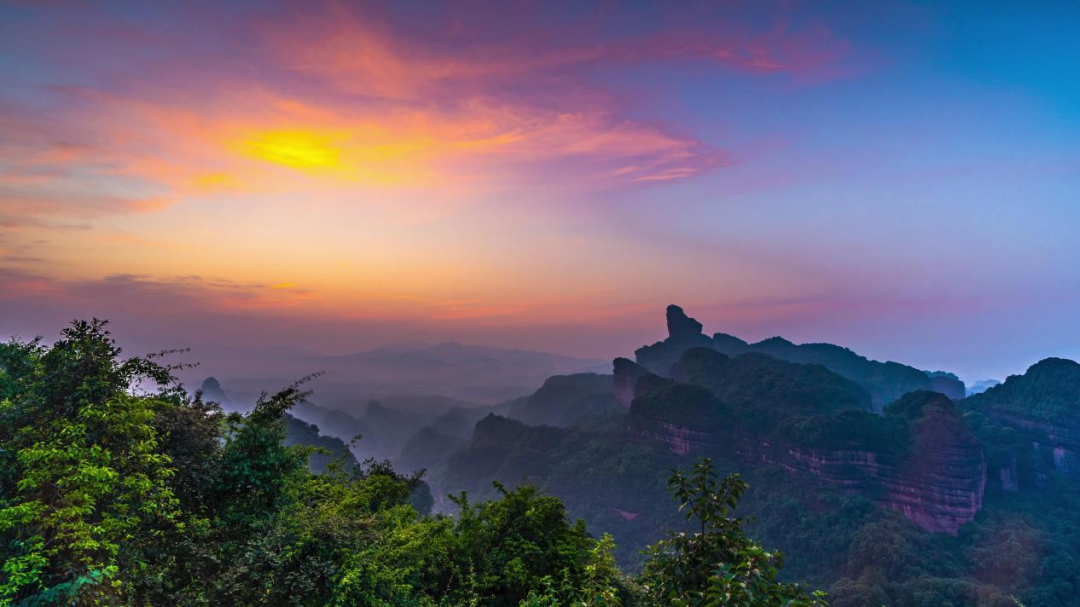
{"x": 884, "y": 381}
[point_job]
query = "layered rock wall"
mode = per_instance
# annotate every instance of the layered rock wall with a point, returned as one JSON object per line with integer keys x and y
{"x": 938, "y": 482}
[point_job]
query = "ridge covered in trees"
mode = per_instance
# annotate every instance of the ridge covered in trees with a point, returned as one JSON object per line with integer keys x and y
{"x": 118, "y": 488}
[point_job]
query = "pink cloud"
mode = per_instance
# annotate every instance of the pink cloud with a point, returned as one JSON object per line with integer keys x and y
{"x": 433, "y": 116}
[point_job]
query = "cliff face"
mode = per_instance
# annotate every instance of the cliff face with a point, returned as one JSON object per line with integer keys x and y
{"x": 884, "y": 381}
{"x": 941, "y": 481}
{"x": 919, "y": 458}
{"x": 939, "y": 491}
{"x": 626, "y": 375}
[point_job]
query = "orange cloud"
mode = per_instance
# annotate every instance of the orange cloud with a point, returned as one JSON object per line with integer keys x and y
{"x": 383, "y": 172}
{"x": 376, "y": 109}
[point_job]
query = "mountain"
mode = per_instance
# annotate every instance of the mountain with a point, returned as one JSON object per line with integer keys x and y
{"x": 885, "y": 382}
{"x": 211, "y": 390}
{"x": 921, "y": 500}
{"x": 479, "y": 373}
{"x": 981, "y": 386}
{"x": 917, "y": 458}
{"x": 947, "y": 383}
{"x": 428, "y": 450}
{"x": 298, "y": 432}
{"x": 565, "y": 399}
{"x": 1032, "y": 424}
{"x": 750, "y": 410}
{"x": 1048, "y": 391}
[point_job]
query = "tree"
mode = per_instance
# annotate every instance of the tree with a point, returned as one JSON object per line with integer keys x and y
{"x": 85, "y": 490}
{"x": 718, "y": 564}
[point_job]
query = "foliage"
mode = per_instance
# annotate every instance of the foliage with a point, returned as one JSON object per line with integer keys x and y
{"x": 1022, "y": 544}
{"x": 1050, "y": 390}
{"x": 718, "y": 564}
{"x": 683, "y": 404}
{"x": 117, "y": 488}
{"x": 86, "y": 490}
{"x": 769, "y": 384}
{"x": 858, "y": 430}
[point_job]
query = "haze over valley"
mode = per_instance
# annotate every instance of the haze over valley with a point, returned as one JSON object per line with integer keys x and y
{"x": 598, "y": 303}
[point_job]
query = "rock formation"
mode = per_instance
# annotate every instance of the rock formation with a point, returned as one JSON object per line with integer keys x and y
{"x": 918, "y": 458}
{"x": 626, "y": 375}
{"x": 885, "y": 381}
{"x": 683, "y": 333}
{"x": 680, "y": 325}
{"x": 212, "y": 392}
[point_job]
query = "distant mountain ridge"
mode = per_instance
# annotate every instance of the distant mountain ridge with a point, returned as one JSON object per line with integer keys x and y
{"x": 454, "y": 369}
{"x": 884, "y": 381}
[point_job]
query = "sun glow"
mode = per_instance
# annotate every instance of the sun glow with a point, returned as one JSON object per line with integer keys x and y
{"x": 304, "y": 150}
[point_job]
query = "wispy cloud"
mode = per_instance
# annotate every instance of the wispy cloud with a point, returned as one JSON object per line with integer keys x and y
{"x": 338, "y": 98}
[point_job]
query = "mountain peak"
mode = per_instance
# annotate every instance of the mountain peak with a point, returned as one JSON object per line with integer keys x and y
{"x": 679, "y": 324}
{"x": 1054, "y": 364}
{"x": 774, "y": 341}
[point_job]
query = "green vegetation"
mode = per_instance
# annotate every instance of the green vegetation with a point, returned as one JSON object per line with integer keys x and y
{"x": 761, "y": 381}
{"x": 117, "y": 488}
{"x": 682, "y": 404}
{"x": 1048, "y": 391}
{"x": 682, "y": 568}
{"x": 856, "y": 430}
{"x": 1021, "y": 544}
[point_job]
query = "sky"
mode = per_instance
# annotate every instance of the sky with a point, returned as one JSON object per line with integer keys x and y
{"x": 899, "y": 177}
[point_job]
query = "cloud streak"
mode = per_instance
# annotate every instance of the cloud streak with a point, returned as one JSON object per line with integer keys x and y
{"x": 340, "y": 99}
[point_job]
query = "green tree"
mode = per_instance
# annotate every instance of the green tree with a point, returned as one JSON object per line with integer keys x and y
{"x": 718, "y": 564}
{"x": 85, "y": 491}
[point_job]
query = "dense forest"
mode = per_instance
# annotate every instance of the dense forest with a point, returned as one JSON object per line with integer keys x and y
{"x": 118, "y": 487}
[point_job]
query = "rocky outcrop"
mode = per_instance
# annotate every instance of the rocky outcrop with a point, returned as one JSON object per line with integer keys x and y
{"x": 683, "y": 333}
{"x": 940, "y": 483}
{"x": 626, "y": 375}
{"x": 680, "y": 325}
{"x": 1055, "y": 446}
{"x": 682, "y": 417}
{"x": 884, "y": 381}
{"x": 212, "y": 392}
{"x": 677, "y": 439}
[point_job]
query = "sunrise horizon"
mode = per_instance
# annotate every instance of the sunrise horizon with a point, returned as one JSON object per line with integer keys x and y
{"x": 347, "y": 175}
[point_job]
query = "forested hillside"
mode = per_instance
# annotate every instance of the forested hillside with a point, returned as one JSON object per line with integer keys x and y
{"x": 118, "y": 488}
{"x": 928, "y": 502}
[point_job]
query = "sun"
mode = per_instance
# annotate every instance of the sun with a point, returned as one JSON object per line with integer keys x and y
{"x": 299, "y": 149}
